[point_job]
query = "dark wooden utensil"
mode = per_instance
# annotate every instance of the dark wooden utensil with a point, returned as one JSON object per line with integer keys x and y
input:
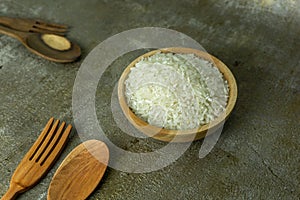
{"x": 49, "y": 46}
{"x": 32, "y": 25}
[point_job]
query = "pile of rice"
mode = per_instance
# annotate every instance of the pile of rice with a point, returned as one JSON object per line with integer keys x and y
{"x": 176, "y": 91}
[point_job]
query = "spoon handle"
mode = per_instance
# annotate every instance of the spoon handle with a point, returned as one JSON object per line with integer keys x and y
{"x": 13, "y": 33}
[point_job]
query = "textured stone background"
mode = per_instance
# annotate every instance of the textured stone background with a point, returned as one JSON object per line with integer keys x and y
{"x": 258, "y": 154}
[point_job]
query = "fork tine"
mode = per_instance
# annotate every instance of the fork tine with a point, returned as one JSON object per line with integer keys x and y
{"x": 38, "y": 30}
{"x": 46, "y": 142}
{"x": 34, "y": 148}
{"x": 56, "y": 150}
{"x": 61, "y": 26}
{"x": 49, "y": 28}
{"x": 53, "y": 143}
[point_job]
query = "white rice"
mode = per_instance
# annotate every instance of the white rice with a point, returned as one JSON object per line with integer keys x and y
{"x": 176, "y": 91}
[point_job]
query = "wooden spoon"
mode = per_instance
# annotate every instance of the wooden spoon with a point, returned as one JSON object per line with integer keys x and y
{"x": 80, "y": 172}
{"x": 49, "y": 46}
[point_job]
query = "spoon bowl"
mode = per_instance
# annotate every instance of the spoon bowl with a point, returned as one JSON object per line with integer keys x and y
{"x": 80, "y": 172}
{"x": 58, "y": 51}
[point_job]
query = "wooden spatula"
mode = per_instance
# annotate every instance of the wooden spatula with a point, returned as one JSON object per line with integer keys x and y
{"x": 80, "y": 172}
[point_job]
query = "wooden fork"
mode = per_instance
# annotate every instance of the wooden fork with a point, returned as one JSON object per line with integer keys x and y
{"x": 39, "y": 159}
{"x": 31, "y": 25}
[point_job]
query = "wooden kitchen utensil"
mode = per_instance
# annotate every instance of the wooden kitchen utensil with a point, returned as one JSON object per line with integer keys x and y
{"x": 39, "y": 158}
{"x": 49, "y": 46}
{"x": 80, "y": 172}
{"x": 32, "y": 25}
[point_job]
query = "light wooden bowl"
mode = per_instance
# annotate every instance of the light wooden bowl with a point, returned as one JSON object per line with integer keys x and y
{"x": 181, "y": 135}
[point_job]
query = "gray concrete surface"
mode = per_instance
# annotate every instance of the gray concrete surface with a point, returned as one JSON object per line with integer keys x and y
{"x": 258, "y": 154}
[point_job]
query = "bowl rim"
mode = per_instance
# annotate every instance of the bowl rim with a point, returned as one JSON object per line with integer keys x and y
{"x": 166, "y": 134}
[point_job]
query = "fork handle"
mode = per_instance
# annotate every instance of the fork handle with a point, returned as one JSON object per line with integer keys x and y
{"x": 13, "y": 191}
{"x": 7, "y": 21}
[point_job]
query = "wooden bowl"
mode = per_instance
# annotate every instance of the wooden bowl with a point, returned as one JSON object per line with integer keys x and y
{"x": 181, "y": 135}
